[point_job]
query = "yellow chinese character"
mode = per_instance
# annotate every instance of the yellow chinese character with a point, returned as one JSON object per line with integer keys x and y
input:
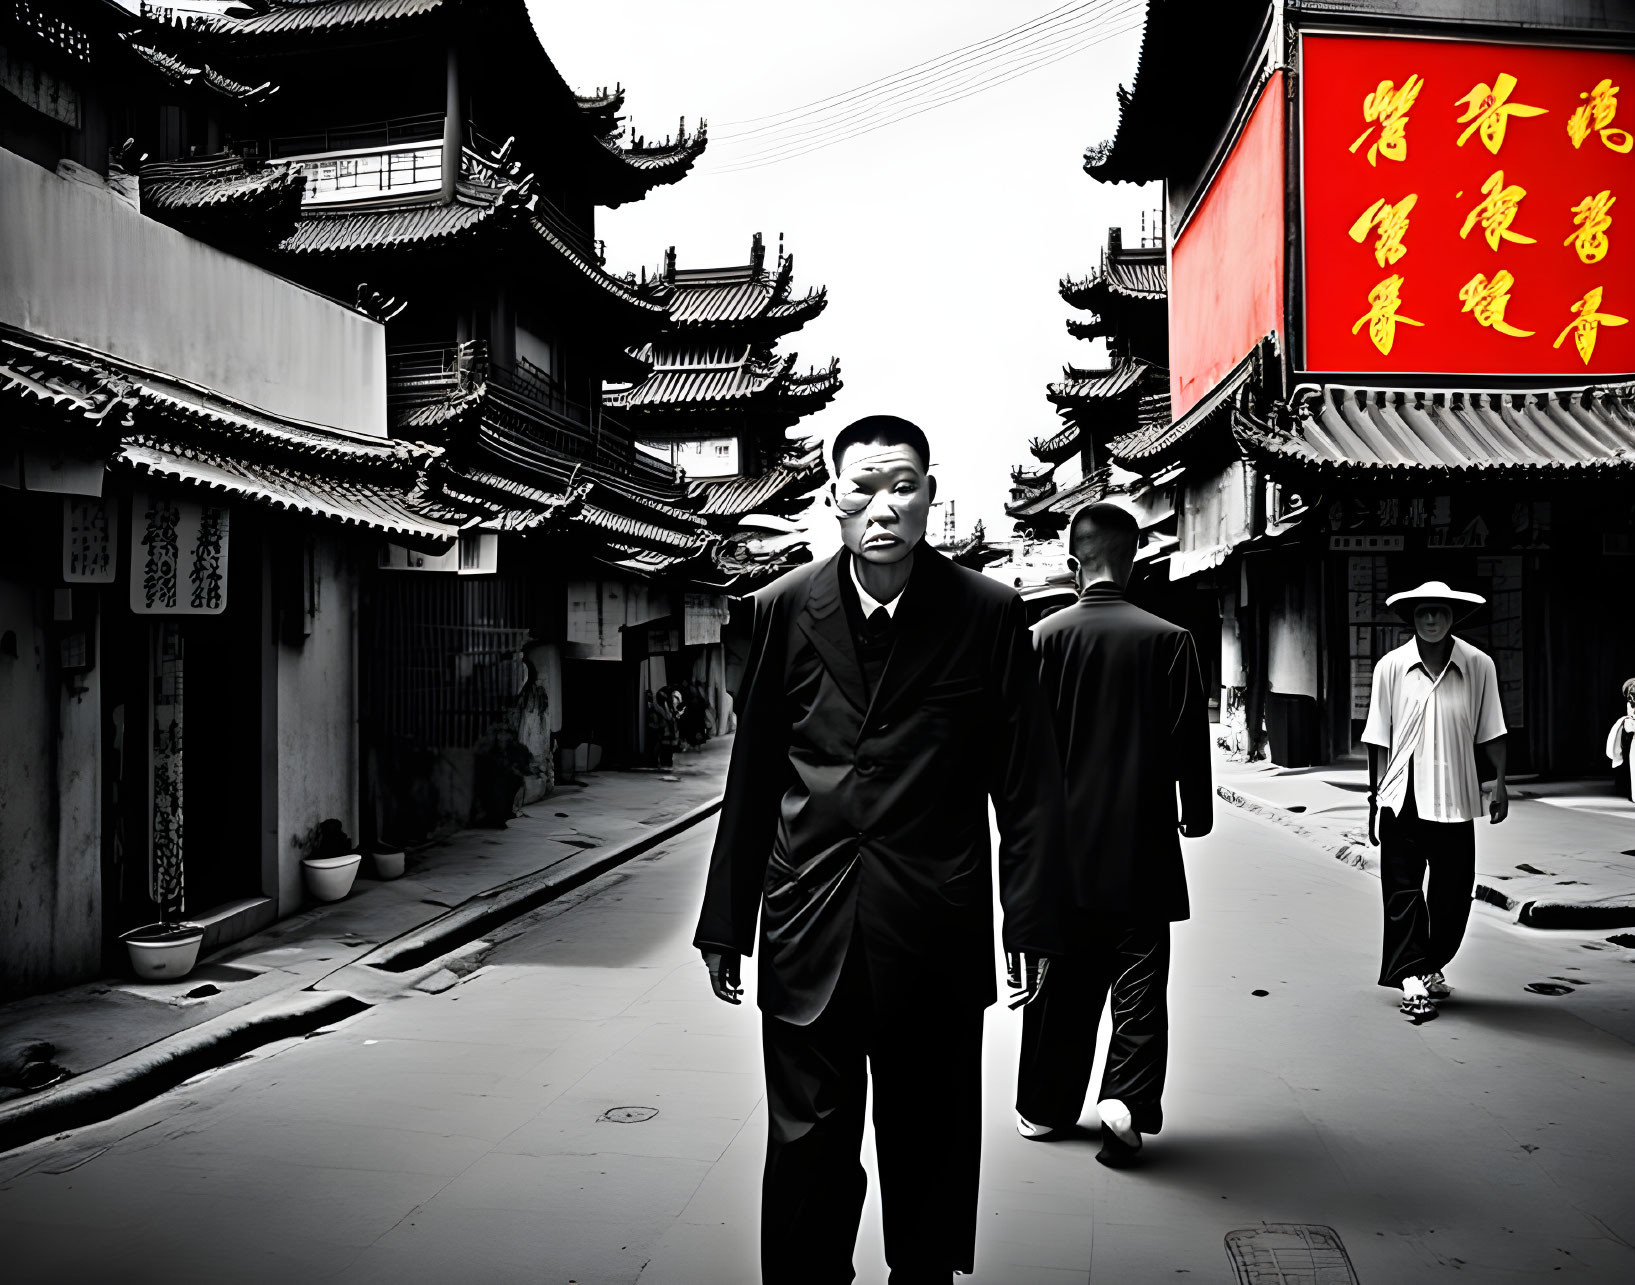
{"x": 1584, "y": 329}
{"x": 1392, "y": 222}
{"x": 1382, "y": 316}
{"x": 1596, "y": 117}
{"x": 1498, "y": 212}
{"x": 1488, "y": 108}
{"x": 1488, "y": 300}
{"x": 1592, "y": 219}
{"x": 1388, "y": 107}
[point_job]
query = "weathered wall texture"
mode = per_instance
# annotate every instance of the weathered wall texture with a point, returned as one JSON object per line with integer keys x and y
{"x": 318, "y": 721}
{"x": 78, "y": 264}
{"x": 50, "y": 873}
{"x": 1295, "y": 628}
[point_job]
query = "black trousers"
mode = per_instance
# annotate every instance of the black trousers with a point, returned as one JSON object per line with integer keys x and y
{"x": 1130, "y": 960}
{"x": 926, "y": 1064}
{"x": 1424, "y": 919}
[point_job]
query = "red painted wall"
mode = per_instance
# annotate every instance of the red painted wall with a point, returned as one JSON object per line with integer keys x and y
{"x": 1433, "y": 267}
{"x": 1226, "y": 270}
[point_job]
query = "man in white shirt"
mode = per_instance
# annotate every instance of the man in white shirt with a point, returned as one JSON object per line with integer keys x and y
{"x": 1435, "y": 699}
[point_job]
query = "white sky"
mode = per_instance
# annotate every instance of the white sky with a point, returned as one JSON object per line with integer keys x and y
{"x": 941, "y": 238}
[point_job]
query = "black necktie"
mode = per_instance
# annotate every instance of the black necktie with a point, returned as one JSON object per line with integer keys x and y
{"x": 879, "y": 623}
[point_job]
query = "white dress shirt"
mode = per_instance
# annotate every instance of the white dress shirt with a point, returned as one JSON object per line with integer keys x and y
{"x": 868, "y": 601}
{"x": 1435, "y": 725}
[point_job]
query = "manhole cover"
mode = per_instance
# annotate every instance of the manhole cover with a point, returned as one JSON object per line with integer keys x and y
{"x": 1289, "y": 1254}
{"x": 629, "y": 1115}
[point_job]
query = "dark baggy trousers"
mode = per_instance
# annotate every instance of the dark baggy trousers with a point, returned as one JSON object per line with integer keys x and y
{"x": 926, "y": 1065}
{"x": 1130, "y": 960}
{"x": 1424, "y": 920}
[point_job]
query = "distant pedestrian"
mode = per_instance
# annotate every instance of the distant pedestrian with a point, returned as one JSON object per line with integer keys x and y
{"x": 1620, "y": 741}
{"x": 659, "y": 738}
{"x": 1132, "y": 725}
{"x": 888, "y": 695}
{"x": 1435, "y": 700}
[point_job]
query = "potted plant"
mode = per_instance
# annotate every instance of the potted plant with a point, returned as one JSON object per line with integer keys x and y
{"x": 169, "y": 948}
{"x": 334, "y": 862}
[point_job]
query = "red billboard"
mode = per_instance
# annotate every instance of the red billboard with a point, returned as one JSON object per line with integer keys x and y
{"x": 1226, "y": 270}
{"x": 1467, "y": 208}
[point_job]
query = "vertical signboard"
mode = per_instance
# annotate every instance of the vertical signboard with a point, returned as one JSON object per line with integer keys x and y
{"x": 178, "y": 556}
{"x": 1467, "y": 208}
{"x": 90, "y": 544}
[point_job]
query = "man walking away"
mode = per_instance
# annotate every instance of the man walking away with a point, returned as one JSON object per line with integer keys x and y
{"x": 889, "y": 694}
{"x": 1131, "y": 725}
{"x": 1435, "y": 699}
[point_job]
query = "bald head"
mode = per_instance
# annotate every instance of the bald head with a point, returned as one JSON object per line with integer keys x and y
{"x": 1103, "y": 539}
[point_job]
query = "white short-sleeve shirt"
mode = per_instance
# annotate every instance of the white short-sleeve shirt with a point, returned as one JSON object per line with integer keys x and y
{"x": 1435, "y": 725}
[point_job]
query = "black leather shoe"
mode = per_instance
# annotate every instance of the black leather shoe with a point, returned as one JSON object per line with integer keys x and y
{"x": 1115, "y": 1153}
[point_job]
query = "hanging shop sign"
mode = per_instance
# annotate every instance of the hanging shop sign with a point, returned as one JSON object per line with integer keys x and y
{"x": 1463, "y": 205}
{"x": 1383, "y": 524}
{"x": 90, "y": 542}
{"x": 178, "y": 556}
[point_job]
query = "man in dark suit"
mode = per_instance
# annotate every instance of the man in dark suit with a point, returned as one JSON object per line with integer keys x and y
{"x": 1131, "y": 725}
{"x": 888, "y": 694}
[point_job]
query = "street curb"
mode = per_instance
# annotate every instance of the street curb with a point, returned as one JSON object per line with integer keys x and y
{"x": 1355, "y": 855}
{"x": 477, "y": 914}
{"x": 1530, "y": 914}
{"x": 141, "y": 1076}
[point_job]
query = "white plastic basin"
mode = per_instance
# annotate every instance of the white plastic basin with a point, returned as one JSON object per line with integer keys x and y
{"x": 330, "y": 878}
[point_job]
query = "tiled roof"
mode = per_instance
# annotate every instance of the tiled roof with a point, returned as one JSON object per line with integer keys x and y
{"x": 1086, "y": 387}
{"x": 1157, "y": 440}
{"x": 1069, "y": 500}
{"x": 183, "y": 73}
{"x": 1398, "y": 433}
{"x": 169, "y": 428}
{"x": 372, "y": 505}
{"x": 701, "y": 377}
{"x": 224, "y": 193}
{"x": 321, "y": 17}
{"x": 478, "y": 210}
{"x": 1058, "y": 448}
{"x": 1145, "y": 279}
{"x": 740, "y": 298}
{"x": 650, "y": 166}
{"x": 1098, "y": 328}
{"x": 602, "y": 109}
{"x": 782, "y": 484}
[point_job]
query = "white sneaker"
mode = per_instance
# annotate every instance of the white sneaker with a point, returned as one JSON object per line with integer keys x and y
{"x": 1436, "y": 985}
{"x": 1116, "y": 1116}
{"x": 1036, "y": 1132}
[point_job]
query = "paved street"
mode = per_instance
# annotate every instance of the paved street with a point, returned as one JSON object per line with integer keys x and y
{"x": 459, "y": 1136}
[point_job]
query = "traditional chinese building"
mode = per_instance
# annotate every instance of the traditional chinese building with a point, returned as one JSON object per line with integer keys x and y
{"x": 1398, "y": 347}
{"x": 195, "y": 473}
{"x": 1125, "y": 300}
{"x": 451, "y": 186}
{"x": 718, "y": 399}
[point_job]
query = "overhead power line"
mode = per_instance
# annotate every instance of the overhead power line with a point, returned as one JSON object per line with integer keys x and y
{"x": 1049, "y": 18}
{"x": 871, "y": 110}
{"x": 790, "y": 150}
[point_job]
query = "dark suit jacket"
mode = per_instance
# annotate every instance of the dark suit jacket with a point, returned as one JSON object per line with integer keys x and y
{"x": 849, "y": 821}
{"x": 1131, "y": 724}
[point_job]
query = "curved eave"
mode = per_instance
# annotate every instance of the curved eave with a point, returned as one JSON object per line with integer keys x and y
{"x": 629, "y": 174}
{"x": 285, "y": 23}
{"x": 183, "y": 74}
{"x": 1054, "y": 450}
{"x": 1096, "y": 329}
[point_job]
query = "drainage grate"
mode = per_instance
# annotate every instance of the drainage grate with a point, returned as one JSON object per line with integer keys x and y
{"x": 629, "y": 1115}
{"x": 1289, "y": 1254}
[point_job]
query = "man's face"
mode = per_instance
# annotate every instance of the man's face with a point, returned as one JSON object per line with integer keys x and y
{"x": 883, "y": 498}
{"x": 1432, "y": 620}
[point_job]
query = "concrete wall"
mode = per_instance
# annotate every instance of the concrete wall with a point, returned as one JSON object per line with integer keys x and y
{"x": 50, "y": 836}
{"x": 78, "y": 264}
{"x": 318, "y": 721}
